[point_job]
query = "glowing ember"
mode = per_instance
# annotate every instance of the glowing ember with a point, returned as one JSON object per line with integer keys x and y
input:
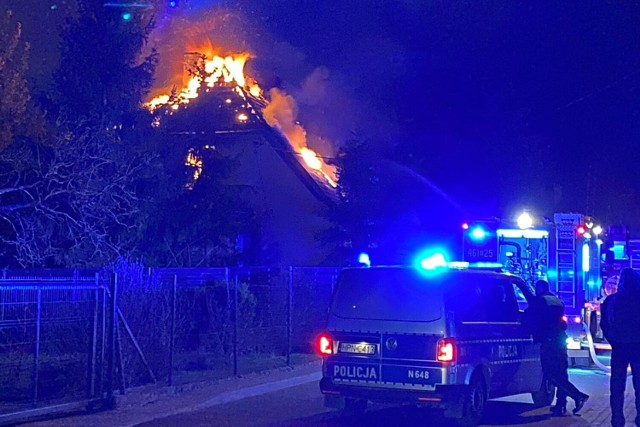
{"x": 195, "y": 162}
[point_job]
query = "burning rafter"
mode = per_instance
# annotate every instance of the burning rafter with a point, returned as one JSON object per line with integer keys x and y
{"x": 228, "y": 71}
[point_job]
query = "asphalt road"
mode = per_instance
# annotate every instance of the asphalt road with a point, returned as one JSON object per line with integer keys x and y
{"x": 302, "y": 405}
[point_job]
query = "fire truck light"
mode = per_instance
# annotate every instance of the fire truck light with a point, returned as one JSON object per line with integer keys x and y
{"x": 581, "y": 230}
{"x": 364, "y": 259}
{"x": 525, "y": 221}
{"x": 597, "y": 230}
{"x": 434, "y": 261}
{"x": 478, "y": 233}
{"x": 585, "y": 258}
{"x": 577, "y": 319}
{"x": 465, "y": 226}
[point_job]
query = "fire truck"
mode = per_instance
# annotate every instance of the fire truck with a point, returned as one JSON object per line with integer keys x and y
{"x": 564, "y": 250}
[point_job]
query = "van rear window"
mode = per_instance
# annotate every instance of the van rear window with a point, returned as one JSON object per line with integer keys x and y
{"x": 388, "y": 294}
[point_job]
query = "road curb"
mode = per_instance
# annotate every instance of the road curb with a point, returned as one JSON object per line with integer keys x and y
{"x": 236, "y": 395}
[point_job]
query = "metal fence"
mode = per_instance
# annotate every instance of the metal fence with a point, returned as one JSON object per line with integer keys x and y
{"x": 52, "y": 339}
{"x": 65, "y": 341}
{"x": 217, "y": 322}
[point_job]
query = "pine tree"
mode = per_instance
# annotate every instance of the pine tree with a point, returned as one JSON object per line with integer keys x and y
{"x": 103, "y": 70}
{"x": 14, "y": 93}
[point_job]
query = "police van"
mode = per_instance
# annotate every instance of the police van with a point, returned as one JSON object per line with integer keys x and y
{"x": 448, "y": 338}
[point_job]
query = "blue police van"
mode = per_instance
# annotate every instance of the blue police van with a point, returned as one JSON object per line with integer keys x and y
{"x": 450, "y": 338}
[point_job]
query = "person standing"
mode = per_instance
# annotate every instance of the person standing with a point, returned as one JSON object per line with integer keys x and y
{"x": 620, "y": 324}
{"x": 549, "y": 329}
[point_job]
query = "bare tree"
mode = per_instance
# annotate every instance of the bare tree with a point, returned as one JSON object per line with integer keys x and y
{"x": 71, "y": 201}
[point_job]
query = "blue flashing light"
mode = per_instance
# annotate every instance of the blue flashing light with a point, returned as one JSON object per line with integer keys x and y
{"x": 478, "y": 233}
{"x": 364, "y": 259}
{"x": 173, "y": 4}
{"x": 434, "y": 261}
{"x": 552, "y": 274}
{"x": 126, "y": 16}
{"x": 430, "y": 260}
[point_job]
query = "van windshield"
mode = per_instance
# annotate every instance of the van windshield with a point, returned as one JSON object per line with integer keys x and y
{"x": 388, "y": 294}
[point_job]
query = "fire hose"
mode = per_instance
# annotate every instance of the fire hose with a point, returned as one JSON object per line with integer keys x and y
{"x": 592, "y": 352}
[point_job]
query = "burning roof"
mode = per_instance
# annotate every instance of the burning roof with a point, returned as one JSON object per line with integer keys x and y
{"x": 238, "y": 104}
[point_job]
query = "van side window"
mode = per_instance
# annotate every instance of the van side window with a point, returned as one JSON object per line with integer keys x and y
{"x": 522, "y": 300}
{"x": 467, "y": 301}
{"x": 500, "y": 301}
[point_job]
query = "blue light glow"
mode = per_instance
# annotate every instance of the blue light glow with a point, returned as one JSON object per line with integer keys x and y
{"x": 433, "y": 262}
{"x": 618, "y": 250}
{"x": 173, "y": 3}
{"x": 585, "y": 258}
{"x": 478, "y": 233}
{"x": 363, "y": 258}
{"x": 127, "y": 16}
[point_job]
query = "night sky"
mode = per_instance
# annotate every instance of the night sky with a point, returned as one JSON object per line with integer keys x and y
{"x": 503, "y": 104}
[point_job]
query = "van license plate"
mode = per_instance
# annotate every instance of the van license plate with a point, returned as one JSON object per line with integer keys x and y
{"x": 357, "y": 348}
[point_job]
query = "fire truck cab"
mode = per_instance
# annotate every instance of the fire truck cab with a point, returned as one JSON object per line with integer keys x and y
{"x": 565, "y": 251}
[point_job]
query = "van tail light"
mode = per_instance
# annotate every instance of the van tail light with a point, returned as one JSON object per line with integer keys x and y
{"x": 325, "y": 344}
{"x": 447, "y": 351}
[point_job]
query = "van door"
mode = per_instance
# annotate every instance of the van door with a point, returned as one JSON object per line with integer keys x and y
{"x": 507, "y": 338}
{"x": 530, "y": 373}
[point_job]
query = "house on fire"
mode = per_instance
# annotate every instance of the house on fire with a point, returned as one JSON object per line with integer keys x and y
{"x": 291, "y": 192}
{"x": 291, "y": 200}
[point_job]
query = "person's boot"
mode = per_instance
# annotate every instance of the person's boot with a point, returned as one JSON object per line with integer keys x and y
{"x": 558, "y": 410}
{"x": 580, "y": 403}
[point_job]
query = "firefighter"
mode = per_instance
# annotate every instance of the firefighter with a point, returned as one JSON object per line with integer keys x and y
{"x": 544, "y": 316}
{"x": 620, "y": 324}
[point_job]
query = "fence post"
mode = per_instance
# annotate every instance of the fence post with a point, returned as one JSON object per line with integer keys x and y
{"x": 111, "y": 340}
{"x": 103, "y": 340}
{"x": 94, "y": 342}
{"x": 289, "y": 315}
{"x": 36, "y": 355}
{"x": 174, "y": 290}
{"x": 235, "y": 324}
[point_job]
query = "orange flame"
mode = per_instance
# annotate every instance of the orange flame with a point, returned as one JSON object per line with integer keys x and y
{"x": 228, "y": 70}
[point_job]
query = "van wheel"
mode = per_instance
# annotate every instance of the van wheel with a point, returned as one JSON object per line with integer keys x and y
{"x": 474, "y": 402}
{"x": 354, "y": 407}
{"x": 544, "y": 396}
